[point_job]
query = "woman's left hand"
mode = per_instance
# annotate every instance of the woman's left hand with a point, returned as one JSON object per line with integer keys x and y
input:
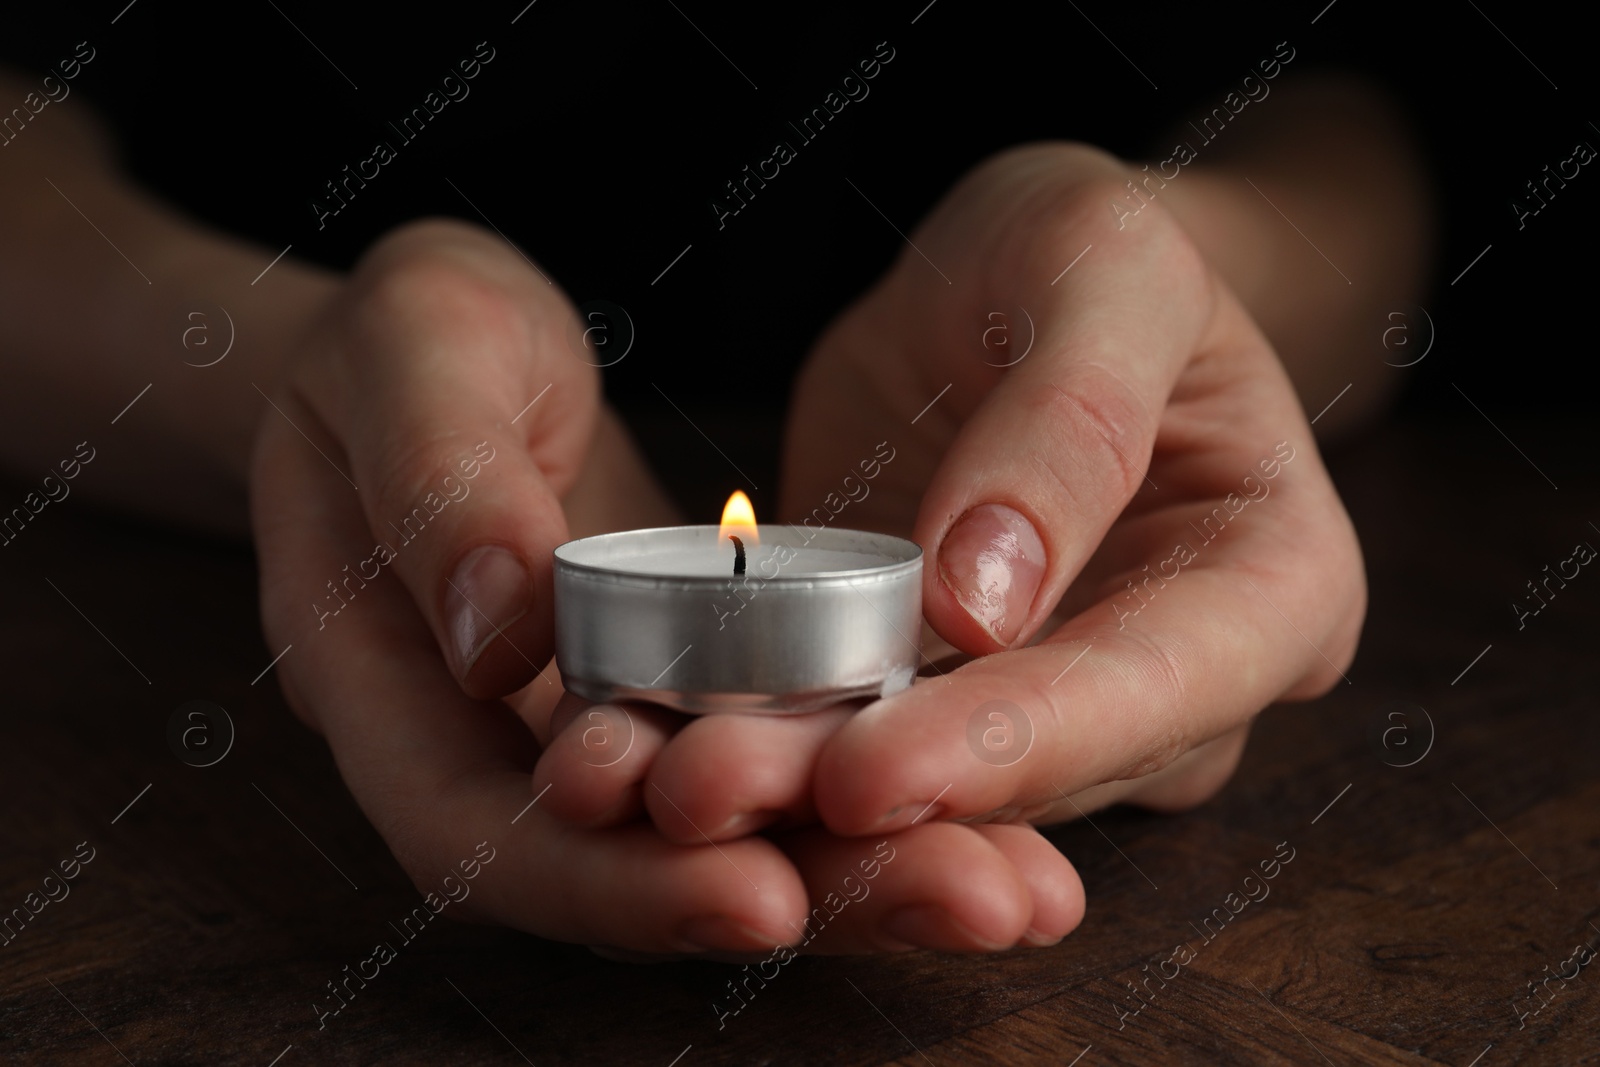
{"x": 1124, "y": 515}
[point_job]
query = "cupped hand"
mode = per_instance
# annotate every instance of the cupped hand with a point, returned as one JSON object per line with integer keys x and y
{"x": 1124, "y": 512}
{"x": 405, "y": 501}
{"x": 435, "y": 438}
{"x": 1124, "y": 515}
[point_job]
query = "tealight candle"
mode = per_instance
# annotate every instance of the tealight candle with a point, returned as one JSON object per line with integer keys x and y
{"x": 738, "y": 617}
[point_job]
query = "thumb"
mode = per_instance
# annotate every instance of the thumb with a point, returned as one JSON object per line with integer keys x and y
{"x": 1060, "y": 445}
{"x": 465, "y": 416}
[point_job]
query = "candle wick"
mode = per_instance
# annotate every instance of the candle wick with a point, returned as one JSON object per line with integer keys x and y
{"x": 738, "y": 557}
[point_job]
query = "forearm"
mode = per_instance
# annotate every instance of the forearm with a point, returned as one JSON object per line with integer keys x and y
{"x": 1318, "y": 216}
{"x": 98, "y": 284}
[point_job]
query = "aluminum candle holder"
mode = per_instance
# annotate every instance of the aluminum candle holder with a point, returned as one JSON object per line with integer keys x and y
{"x": 660, "y": 615}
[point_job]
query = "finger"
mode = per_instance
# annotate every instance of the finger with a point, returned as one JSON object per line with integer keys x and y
{"x": 595, "y": 765}
{"x": 953, "y": 895}
{"x": 937, "y": 885}
{"x": 438, "y": 773}
{"x": 1186, "y": 783}
{"x": 1060, "y": 444}
{"x": 1272, "y": 608}
{"x": 1052, "y": 881}
{"x": 465, "y": 418}
{"x": 724, "y": 776}
{"x": 1191, "y": 779}
{"x": 614, "y": 491}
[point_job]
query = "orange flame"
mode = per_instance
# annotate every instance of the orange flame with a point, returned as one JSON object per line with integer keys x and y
{"x": 739, "y": 518}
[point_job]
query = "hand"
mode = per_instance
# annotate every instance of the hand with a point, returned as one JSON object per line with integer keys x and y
{"x": 1129, "y": 524}
{"x": 943, "y": 886}
{"x": 1033, "y": 489}
{"x": 410, "y": 386}
{"x": 413, "y": 386}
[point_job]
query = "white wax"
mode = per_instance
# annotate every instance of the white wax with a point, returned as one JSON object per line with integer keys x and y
{"x": 764, "y": 561}
{"x": 697, "y": 553}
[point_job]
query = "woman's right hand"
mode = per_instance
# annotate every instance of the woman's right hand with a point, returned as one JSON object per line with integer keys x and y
{"x": 405, "y": 500}
{"x": 417, "y": 614}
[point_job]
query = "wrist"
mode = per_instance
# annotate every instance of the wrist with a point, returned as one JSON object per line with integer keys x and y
{"x": 143, "y": 319}
{"x": 268, "y": 326}
{"x": 226, "y": 344}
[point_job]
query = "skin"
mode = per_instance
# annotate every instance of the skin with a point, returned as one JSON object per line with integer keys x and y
{"x": 436, "y": 341}
{"x": 1155, "y": 364}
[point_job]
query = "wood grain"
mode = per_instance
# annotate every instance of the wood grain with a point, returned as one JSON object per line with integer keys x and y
{"x": 1417, "y": 908}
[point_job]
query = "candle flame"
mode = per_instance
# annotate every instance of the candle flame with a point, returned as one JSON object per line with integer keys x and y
{"x": 739, "y": 520}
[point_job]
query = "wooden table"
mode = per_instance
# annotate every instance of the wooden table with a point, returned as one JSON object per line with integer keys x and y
{"x": 1420, "y": 902}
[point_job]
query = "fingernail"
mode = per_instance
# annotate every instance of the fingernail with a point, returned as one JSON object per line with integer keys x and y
{"x": 907, "y": 815}
{"x": 745, "y": 823}
{"x": 489, "y": 591}
{"x": 993, "y": 561}
{"x": 930, "y": 926}
{"x": 1034, "y": 939}
{"x": 713, "y": 933}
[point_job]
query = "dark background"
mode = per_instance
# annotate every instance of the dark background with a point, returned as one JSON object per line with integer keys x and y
{"x": 600, "y": 132}
{"x": 1429, "y": 890}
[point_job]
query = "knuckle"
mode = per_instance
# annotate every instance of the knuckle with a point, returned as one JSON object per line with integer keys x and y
{"x": 1048, "y": 180}
{"x": 438, "y": 279}
{"x": 428, "y": 238}
{"x": 1195, "y": 778}
{"x": 1093, "y": 199}
{"x": 434, "y": 292}
{"x": 438, "y": 288}
{"x": 1323, "y": 676}
{"x": 413, "y": 470}
{"x": 1151, "y": 671}
{"x": 1152, "y": 239}
{"x": 1339, "y": 589}
{"x": 1051, "y": 157}
{"x": 406, "y": 815}
{"x": 1055, "y": 205}
{"x": 1352, "y": 616}
{"x": 1035, "y": 199}
{"x": 1154, "y": 669}
{"x": 1059, "y": 193}
{"x": 1106, "y": 423}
